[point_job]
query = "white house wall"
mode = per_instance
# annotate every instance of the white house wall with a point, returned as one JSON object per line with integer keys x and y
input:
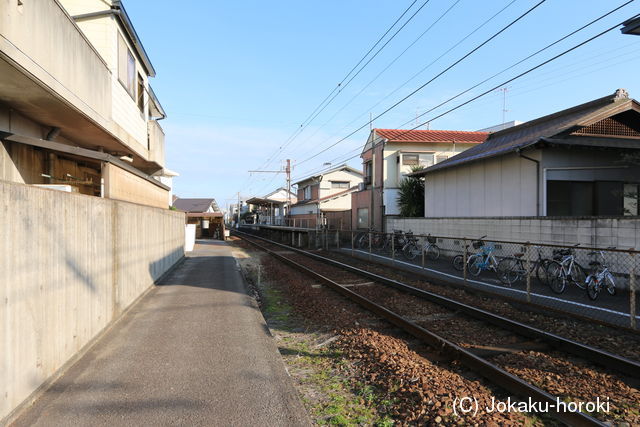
{"x": 394, "y": 171}
{"x": 502, "y": 186}
{"x": 343, "y": 175}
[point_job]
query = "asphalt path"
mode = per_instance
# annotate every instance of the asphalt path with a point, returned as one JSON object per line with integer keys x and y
{"x": 194, "y": 351}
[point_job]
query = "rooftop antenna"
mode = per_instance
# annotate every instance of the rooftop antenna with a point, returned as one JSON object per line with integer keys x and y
{"x": 504, "y": 103}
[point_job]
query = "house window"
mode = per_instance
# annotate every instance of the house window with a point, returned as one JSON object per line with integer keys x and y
{"x": 363, "y": 217}
{"x": 340, "y": 184}
{"x": 368, "y": 172}
{"x": 126, "y": 67}
{"x": 591, "y": 198}
{"x": 422, "y": 160}
{"x": 140, "y": 93}
{"x": 307, "y": 192}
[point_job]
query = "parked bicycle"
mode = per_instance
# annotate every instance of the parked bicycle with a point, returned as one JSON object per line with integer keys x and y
{"x": 600, "y": 276}
{"x": 564, "y": 270}
{"x": 458, "y": 260}
{"x": 412, "y": 247}
{"x": 484, "y": 260}
{"x": 362, "y": 239}
{"x": 514, "y": 268}
{"x": 398, "y": 238}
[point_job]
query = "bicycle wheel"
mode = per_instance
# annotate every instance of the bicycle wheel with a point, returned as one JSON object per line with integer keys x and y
{"x": 541, "y": 271}
{"x": 458, "y": 262}
{"x": 509, "y": 270}
{"x": 557, "y": 277}
{"x": 578, "y": 276}
{"x": 433, "y": 252}
{"x": 474, "y": 264}
{"x": 610, "y": 284}
{"x": 593, "y": 288}
{"x": 410, "y": 251}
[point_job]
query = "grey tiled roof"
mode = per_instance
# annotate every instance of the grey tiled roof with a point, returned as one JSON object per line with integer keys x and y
{"x": 524, "y": 135}
{"x": 195, "y": 205}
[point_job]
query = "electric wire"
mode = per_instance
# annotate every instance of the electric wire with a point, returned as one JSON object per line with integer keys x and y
{"x": 430, "y": 80}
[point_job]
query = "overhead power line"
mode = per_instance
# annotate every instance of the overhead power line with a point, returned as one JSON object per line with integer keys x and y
{"x": 429, "y": 81}
{"x": 340, "y": 86}
{"x": 385, "y": 69}
{"x": 571, "y": 49}
{"x": 565, "y": 52}
{"x": 550, "y": 45}
{"x": 372, "y": 108}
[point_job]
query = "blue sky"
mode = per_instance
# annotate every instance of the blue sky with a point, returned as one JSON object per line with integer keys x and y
{"x": 237, "y": 79}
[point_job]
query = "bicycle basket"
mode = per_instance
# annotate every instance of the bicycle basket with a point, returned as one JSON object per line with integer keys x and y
{"x": 431, "y": 239}
{"x": 478, "y": 244}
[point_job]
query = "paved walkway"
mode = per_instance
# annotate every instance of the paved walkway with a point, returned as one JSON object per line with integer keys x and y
{"x": 194, "y": 351}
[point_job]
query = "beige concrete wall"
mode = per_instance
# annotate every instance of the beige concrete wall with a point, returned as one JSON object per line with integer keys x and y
{"x": 71, "y": 264}
{"x": 156, "y": 143}
{"x": 42, "y": 38}
{"x": 122, "y": 185}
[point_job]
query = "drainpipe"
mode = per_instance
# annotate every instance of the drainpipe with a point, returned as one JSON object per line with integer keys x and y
{"x": 537, "y": 162}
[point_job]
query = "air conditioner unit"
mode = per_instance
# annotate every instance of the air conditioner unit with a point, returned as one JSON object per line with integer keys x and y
{"x": 361, "y": 186}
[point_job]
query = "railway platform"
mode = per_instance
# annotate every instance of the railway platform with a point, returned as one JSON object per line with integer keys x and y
{"x": 194, "y": 351}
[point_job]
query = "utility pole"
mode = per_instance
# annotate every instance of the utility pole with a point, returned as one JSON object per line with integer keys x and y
{"x": 287, "y": 171}
{"x": 238, "y": 212}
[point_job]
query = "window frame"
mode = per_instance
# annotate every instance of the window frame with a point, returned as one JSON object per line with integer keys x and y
{"x": 126, "y": 67}
{"x": 340, "y": 184}
{"x": 417, "y": 155}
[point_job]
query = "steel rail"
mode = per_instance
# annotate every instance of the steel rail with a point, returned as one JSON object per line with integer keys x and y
{"x": 598, "y": 356}
{"x": 491, "y": 372}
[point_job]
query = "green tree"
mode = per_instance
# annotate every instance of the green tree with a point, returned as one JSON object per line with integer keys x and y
{"x": 411, "y": 197}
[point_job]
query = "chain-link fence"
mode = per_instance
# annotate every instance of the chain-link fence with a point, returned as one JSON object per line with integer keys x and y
{"x": 597, "y": 283}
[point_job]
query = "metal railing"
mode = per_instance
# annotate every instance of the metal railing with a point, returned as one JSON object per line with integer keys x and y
{"x": 484, "y": 268}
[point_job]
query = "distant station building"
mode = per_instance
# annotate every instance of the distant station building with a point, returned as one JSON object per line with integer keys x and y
{"x": 205, "y": 215}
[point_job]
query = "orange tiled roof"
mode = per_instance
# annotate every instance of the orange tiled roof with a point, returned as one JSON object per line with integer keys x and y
{"x": 401, "y": 135}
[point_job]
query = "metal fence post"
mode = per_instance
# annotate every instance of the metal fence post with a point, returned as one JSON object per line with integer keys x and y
{"x": 464, "y": 259}
{"x": 422, "y": 250}
{"x": 370, "y": 245}
{"x": 632, "y": 291}
{"x": 337, "y": 239}
{"x": 352, "y": 242}
{"x": 527, "y": 269}
{"x": 393, "y": 247}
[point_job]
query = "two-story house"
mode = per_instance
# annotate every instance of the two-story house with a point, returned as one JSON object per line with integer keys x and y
{"x": 323, "y": 194}
{"x": 76, "y": 108}
{"x": 390, "y": 154}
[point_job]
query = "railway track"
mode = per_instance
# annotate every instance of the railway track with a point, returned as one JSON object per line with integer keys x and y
{"x": 474, "y": 356}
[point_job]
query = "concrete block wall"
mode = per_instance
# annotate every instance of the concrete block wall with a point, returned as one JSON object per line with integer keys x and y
{"x": 623, "y": 233}
{"x": 70, "y": 265}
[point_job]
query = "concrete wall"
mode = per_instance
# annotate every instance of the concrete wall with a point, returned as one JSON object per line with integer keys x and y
{"x": 123, "y": 185}
{"x": 71, "y": 264}
{"x": 623, "y": 233}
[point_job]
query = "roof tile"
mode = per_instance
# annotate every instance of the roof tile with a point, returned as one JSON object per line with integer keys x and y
{"x": 435, "y": 136}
